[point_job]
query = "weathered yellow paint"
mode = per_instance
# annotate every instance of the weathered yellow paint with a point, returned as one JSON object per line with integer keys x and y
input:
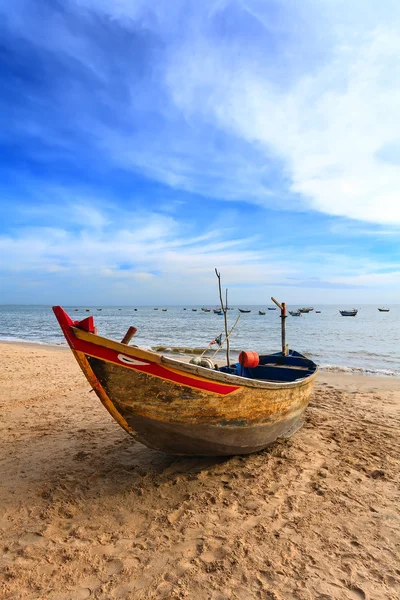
{"x": 96, "y": 385}
{"x": 137, "y": 393}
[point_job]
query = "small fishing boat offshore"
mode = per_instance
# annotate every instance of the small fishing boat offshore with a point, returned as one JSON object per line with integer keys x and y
{"x": 349, "y": 313}
{"x": 188, "y": 409}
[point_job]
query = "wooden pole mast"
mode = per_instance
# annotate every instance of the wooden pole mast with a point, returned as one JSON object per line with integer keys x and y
{"x": 283, "y": 325}
{"x": 224, "y": 310}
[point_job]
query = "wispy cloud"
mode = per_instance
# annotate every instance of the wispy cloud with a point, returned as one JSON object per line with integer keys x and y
{"x": 153, "y": 141}
{"x": 161, "y": 253}
{"x": 233, "y": 104}
{"x": 328, "y": 126}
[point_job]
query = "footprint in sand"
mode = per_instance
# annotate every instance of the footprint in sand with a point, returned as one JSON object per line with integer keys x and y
{"x": 76, "y": 594}
{"x": 357, "y": 593}
{"x": 114, "y": 567}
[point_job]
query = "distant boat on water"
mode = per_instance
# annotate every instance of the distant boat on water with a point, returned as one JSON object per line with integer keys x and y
{"x": 384, "y": 309}
{"x": 155, "y": 308}
{"x": 242, "y": 310}
{"x": 271, "y": 308}
{"x": 349, "y": 313}
{"x": 87, "y": 309}
{"x": 306, "y": 309}
{"x": 164, "y": 309}
{"x": 206, "y": 309}
{"x": 295, "y": 313}
{"x": 317, "y": 311}
{"x": 260, "y": 312}
{"x": 76, "y": 309}
{"x": 194, "y": 309}
{"x": 99, "y": 309}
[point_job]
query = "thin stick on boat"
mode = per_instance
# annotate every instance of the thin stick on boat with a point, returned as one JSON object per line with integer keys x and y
{"x": 227, "y": 338}
{"x": 224, "y": 310}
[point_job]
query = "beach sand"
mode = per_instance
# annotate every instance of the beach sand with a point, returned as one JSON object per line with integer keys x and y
{"x": 88, "y": 513}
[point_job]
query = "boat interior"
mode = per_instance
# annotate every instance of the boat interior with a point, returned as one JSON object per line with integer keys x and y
{"x": 275, "y": 367}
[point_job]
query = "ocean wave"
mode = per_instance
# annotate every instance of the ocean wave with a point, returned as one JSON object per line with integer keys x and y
{"x": 18, "y": 340}
{"x": 360, "y": 370}
{"x": 177, "y": 350}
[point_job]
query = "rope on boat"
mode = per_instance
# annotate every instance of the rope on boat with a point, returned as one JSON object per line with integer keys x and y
{"x": 202, "y": 361}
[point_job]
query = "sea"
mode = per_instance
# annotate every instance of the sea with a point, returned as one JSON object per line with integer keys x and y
{"x": 367, "y": 343}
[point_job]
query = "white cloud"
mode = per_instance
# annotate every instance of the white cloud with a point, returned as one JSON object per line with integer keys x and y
{"x": 373, "y": 280}
{"x": 311, "y": 107}
{"x": 115, "y": 252}
{"x": 328, "y": 126}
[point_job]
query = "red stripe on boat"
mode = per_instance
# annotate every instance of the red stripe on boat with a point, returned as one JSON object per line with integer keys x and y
{"x": 103, "y": 353}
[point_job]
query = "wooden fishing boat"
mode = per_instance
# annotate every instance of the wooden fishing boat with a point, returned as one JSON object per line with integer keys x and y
{"x": 182, "y": 408}
{"x": 349, "y": 313}
{"x": 271, "y": 308}
{"x": 164, "y": 309}
{"x": 384, "y": 309}
{"x": 206, "y": 309}
{"x": 242, "y": 310}
{"x": 260, "y": 312}
{"x": 295, "y": 313}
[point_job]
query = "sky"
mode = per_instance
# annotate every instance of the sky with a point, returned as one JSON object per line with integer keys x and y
{"x": 145, "y": 142}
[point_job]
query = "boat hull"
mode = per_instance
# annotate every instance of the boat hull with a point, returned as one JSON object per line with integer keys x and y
{"x": 180, "y": 420}
{"x": 209, "y": 440}
{"x": 185, "y": 409}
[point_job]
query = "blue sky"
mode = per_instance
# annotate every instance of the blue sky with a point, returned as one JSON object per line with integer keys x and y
{"x": 145, "y": 142}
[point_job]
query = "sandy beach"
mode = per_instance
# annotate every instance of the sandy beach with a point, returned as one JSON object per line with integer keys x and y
{"x": 88, "y": 513}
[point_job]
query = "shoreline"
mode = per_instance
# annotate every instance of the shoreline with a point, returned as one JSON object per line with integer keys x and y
{"x": 335, "y": 371}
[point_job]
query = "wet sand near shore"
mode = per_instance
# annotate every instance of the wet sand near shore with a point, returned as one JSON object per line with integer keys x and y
{"x": 88, "y": 513}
